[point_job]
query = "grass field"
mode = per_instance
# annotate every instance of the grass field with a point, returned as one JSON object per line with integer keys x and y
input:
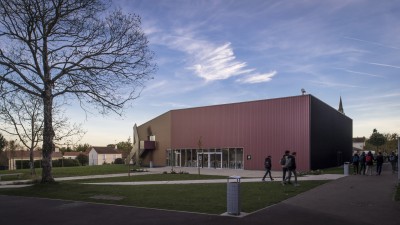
{"x": 71, "y": 171}
{"x": 204, "y": 198}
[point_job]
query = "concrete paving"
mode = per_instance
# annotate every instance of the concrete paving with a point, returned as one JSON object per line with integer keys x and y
{"x": 355, "y": 200}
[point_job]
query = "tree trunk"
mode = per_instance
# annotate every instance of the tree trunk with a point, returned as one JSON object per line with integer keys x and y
{"x": 48, "y": 137}
{"x": 32, "y": 162}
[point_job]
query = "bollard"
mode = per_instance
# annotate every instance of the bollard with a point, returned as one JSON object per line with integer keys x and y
{"x": 233, "y": 195}
{"x": 346, "y": 168}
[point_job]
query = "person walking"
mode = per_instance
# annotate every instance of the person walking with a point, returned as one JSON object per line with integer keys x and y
{"x": 393, "y": 161}
{"x": 291, "y": 166}
{"x": 362, "y": 163}
{"x": 283, "y": 164}
{"x": 369, "y": 162}
{"x": 379, "y": 163}
{"x": 268, "y": 166}
{"x": 356, "y": 161}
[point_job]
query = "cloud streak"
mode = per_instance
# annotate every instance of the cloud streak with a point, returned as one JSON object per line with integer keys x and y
{"x": 357, "y": 72}
{"x": 384, "y": 65}
{"x": 372, "y": 43}
{"x": 210, "y": 61}
{"x": 257, "y": 78}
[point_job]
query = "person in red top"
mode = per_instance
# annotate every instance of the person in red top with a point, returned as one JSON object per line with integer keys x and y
{"x": 369, "y": 162}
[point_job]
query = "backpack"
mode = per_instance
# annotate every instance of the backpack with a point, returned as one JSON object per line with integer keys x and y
{"x": 392, "y": 158}
{"x": 368, "y": 158}
{"x": 288, "y": 162}
{"x": 267, "y": 164}
{"x": 362, "y": 158}
{"x": 355, "y": 159}
{"x": 283, "y": 161}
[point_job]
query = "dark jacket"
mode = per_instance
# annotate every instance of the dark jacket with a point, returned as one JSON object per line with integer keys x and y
{"x": 267, "y": 163}
{"x": 379, "y": 159}
{"x": 292, "y": 165}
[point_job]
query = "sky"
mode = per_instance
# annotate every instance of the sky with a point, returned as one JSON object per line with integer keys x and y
{"x": 219, "y": 51}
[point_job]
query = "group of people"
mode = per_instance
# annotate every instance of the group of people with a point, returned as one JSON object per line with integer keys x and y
{"x": 363, "y": 163}
{"x": 288, "y": 163}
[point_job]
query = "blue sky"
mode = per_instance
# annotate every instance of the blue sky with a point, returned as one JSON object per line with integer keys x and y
{"x": 220, "y": 51}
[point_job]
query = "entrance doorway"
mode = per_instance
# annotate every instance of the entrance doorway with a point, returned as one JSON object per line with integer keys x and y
{"x": 209, "y": 159}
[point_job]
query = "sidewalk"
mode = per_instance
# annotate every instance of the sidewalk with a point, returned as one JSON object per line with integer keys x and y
{"x": 246, "y": 175}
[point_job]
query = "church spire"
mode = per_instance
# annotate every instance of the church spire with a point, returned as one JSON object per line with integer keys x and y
{"x": 341, "y": 106}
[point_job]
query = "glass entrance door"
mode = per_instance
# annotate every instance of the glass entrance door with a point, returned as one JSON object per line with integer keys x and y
{"x": 209, "y": 159}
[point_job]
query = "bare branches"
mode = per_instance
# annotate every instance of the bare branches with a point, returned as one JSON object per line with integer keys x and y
{"x": 69, "y": 48}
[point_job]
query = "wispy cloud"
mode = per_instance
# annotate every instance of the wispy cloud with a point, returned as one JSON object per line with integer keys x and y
{"x": 357, "y": 72}
{"x": 332, "y": 84}
{"x": 209, "y": 61}
{"x": 372, "y": 42}
{"x": 384, "y": 65}
{"x": 217, "y": 63}
{"x": 257, "y": 78}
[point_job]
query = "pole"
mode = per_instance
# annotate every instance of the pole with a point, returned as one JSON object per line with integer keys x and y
{"x": 398, "y": 159}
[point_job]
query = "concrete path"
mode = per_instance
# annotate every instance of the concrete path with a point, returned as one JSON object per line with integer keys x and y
{"x": 247, "y": 175}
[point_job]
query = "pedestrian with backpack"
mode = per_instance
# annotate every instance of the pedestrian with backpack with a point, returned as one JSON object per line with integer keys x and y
{"x": 393, "y": 161}
{"x": 379, "y": 163}
{"x": 362, "y": 163}
{"x": 355, "y": 160}
{"x": 268, "y": 166}
{"x": 291, "y": 166}
{"x": 283, "y": 164}
{"x": 369, "y": 162}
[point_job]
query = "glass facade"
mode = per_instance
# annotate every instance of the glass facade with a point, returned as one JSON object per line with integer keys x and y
{"x": 228, "y": 158}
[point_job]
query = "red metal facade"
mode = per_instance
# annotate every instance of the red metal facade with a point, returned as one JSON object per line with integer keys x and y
{"x": 261, "y": 128}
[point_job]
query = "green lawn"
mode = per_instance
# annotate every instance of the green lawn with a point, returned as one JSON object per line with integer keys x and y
{"x": 71, "y": 171}
{"x": 151, "y": 177}
{"x": 204, "y": 198}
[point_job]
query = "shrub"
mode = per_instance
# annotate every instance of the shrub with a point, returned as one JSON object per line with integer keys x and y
{"x": 118, "y": 161}
{"x": 83, "y": 159}
{"x": 65, "y": 163}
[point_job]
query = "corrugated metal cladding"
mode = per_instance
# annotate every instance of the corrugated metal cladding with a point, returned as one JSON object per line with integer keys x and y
{"x": 261, "y": 128}
{"x": 331, "y": 136}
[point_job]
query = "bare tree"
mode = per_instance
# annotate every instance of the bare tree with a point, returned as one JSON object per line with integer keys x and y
{"x": 71, "y": 48}
{"x": 22, "y": 116}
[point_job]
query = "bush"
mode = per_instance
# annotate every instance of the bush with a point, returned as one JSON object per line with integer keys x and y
{"x": 83, "y": 159}
{"x": 118, "y": 161}
{"x": 65, "y": 163}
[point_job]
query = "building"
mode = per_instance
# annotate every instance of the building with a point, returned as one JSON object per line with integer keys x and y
{"x": 103, "y": 155}
{"x": 9, "y": 159}
{"x": 359, "y": 143}
{"x": 241, "y": 135}
{"x": 71, "y": 155}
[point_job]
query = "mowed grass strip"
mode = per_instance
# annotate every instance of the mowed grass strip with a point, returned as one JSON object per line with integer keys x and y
{"x": 142, "y": 176}
{"x": 71, "y": 171}
{"x": 202, "y": 198}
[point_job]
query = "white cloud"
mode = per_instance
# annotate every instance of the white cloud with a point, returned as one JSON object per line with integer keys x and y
{"x": 208, "y": 60}
{"x": 357, "y": 72}
{"x": 258, "y": 78}
{"x": 212, "y": 62}
{"x": 385, "y": 65}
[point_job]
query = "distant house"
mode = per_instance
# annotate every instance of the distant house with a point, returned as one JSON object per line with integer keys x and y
{"x": 103, "y": 155}
{"x": 358, "y": 143}
{"x": 8, "y": 159}
{"x": 71, "y": 155}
